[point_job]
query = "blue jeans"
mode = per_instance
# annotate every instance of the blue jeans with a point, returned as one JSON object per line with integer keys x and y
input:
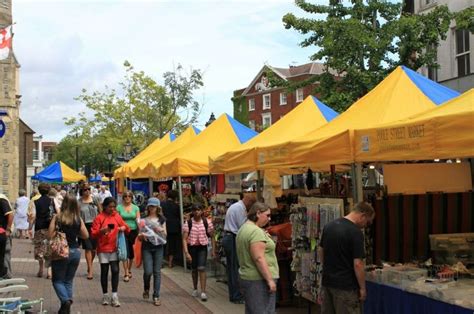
{"x": 63, "y": 272}
{"x": 228, "y": 243}
{"x": 152, "y": 257}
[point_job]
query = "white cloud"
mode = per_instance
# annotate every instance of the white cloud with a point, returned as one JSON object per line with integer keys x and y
{"x": 64, "y": 46}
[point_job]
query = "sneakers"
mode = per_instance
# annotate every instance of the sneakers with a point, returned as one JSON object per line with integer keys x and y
{"x": 146, "y": 294}
{"x": 203, "y": 297}
{"x": 156, "y": 301}
{"x": 195, "y": 293}
{"x": 105, "y": 299}
{"x": 115, "y": 301}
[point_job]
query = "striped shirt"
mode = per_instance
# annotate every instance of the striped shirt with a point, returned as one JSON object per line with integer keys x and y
{"x": 198, "y": 232}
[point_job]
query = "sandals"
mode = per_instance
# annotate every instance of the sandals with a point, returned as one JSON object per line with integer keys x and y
{"x": 39, "y": 274}
{"x": 130, "y": 274}
{"x": 126, "y": 278}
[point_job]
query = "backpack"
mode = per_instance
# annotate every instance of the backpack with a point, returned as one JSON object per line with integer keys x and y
{"x": 206, "y": 225}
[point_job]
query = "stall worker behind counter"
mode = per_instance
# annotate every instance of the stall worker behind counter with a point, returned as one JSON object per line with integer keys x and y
{"x": 342, "y": 254}
{"x": 235, "y": 217}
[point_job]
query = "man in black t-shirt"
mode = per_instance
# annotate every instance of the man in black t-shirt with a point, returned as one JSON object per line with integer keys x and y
{"x": 342, "y": 255}
{"x": 171, "y": 211}
{"x": 6, "y": 220}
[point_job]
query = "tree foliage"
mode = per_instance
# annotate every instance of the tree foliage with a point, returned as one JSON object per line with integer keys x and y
{"x": 140, "y": 111}
{"x": 361, "y": 41}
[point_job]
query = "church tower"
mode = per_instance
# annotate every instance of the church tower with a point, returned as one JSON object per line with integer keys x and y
{"x": 9, "y": 112}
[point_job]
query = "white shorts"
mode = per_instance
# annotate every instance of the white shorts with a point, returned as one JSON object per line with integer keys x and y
{"x": 105, "y": 258}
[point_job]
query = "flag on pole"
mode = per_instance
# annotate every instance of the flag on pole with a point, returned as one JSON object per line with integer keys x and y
{"x": 5, "y": 42}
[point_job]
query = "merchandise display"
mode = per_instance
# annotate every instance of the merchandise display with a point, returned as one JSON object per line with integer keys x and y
{"x": 308, "y": 219}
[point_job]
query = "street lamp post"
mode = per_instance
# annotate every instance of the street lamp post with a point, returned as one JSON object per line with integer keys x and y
{"x": 110, "y": 155}
{"x": 128, "y": 150}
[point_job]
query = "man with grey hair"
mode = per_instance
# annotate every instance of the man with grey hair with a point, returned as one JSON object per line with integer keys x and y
{"x": 342, "y": 255}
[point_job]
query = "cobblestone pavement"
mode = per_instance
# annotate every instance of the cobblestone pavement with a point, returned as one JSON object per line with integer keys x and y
{"x": 88, "y": 294}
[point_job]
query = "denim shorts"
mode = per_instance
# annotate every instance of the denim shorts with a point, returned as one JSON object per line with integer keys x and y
{"x": 199, "y": 255}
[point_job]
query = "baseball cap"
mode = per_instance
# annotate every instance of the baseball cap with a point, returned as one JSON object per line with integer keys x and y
{"x": 153, "y": 201}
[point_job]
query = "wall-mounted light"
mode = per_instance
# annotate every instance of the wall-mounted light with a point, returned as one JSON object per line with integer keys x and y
{"x": 371, "y": 167}
{"x": 458, "y": 160}
{"x": 436, "y": 160}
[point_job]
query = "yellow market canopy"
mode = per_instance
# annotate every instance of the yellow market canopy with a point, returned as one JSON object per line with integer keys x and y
{"x": 403, "y": 93}
{"x": 157, "y": 145}
{"x": 222, "y": 135}
{"x": 445, "y": 132}
{"x": 310, "y": 114}
{"x": 146, "y": 166}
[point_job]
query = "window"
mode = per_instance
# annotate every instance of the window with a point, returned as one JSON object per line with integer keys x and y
{"x": 433, "y": 71}
{"x": 283, "y": 100}
{"x": 252, "y": 124}
{"x": 462, "y": 52}
{"x": 266, "y": 102}
{"x": 266, "y": 119}
{"x": 299, "y": 95}
{"x": 251, "y": 104}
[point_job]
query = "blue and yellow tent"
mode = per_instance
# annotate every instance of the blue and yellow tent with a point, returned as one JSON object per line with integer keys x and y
{"x": 222, "y": 135}
{"x": 403, "y": 93}
{"x": 308, "y": 115}
{"x": 58, "y": 172}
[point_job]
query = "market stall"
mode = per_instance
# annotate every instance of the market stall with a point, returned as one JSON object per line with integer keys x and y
{"x": 58, "y": 172}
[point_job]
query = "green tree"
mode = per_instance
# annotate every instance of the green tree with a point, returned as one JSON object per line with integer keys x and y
{"x": 361, "y": 41}
{"x": 140, "y": 111}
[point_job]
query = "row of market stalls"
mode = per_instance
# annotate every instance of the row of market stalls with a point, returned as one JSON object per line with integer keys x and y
{"x": 397, "y": 128}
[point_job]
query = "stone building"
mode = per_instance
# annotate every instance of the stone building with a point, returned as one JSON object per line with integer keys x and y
{"x": 25, "y": 157}
{"x": 9, "y": 103}
{"x": 456, "y": 62}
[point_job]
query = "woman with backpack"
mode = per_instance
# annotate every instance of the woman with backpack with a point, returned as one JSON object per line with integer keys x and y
{"x": 153, "y": 235}
{"x": 196, "y": 234}
{"x": 68, "y": 221}
{"x": 90, "y": 208}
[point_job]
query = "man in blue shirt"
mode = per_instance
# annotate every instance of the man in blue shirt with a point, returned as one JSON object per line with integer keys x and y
{"x": 235, "y": 217}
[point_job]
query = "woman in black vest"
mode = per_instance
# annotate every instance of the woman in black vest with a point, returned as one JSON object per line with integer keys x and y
{"x": 43, "y": 212}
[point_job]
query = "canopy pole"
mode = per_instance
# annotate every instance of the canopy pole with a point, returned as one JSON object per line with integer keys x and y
{"x": 150, "y": 187}
{"x": 131, "y": 185}
{"x": 181, "y": 215}
{"x": 259, "y": 192}
{"x": 357, "y": 189}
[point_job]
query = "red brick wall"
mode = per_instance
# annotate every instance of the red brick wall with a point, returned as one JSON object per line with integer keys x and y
{"x": 276, "y": 110}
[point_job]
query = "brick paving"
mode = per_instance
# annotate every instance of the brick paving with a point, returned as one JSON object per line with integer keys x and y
{"x": 88, "y": 294}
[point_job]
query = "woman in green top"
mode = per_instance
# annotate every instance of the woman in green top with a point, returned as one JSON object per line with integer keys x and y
{"x": 130, "y": 214}
{"x": 258, "y": 263}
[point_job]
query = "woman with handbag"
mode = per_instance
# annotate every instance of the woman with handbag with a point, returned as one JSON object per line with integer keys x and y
{"x": 105, "y": 229}
{"x": 64, "y": 230}
{"x": 130, "y": 214}
{"x": 90, "y": 208}
{"x": 153, "y": 236}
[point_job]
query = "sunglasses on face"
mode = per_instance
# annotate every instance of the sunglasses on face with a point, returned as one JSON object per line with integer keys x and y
{"x": 86, "y": 189}
{"x": 126, "y": 196}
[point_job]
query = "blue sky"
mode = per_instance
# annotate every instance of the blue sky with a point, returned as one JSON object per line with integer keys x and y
{"x": 64, "y": 46}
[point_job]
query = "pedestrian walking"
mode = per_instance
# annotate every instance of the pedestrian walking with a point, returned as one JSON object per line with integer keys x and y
{"x": 153, "y": 235}
{"x": 90, "y": 208}
{"x": 105, "y": 229}
{"x": 173, "y": 226}
{"x": 6, "y": 220}
{"x": 69, "y": 222}
{"x": 342, "y": 254}
{"x": 43, "y": 211}
{"x": 235, "y": 217}
{"x": 130, "y": 213}
{"x": 21, "y": 215}
{"x": 196, "y": 233}
{"x": 258, "y": 269}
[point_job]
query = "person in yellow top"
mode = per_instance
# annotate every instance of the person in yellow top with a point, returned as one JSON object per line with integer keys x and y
{"x": 258, "y": 263}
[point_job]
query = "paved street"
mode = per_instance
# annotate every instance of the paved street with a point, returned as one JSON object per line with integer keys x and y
{"x": 88, "y": 292}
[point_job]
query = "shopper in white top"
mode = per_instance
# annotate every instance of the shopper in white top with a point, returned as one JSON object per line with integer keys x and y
{"x": 20, "y": 219}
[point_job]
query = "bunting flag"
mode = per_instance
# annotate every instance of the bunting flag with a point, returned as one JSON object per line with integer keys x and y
{"x": 5, "y": 42}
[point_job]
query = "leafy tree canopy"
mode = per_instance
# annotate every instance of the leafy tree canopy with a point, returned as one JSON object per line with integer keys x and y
{"x": 140, "y": 111}
{"x": 361, "y": 41}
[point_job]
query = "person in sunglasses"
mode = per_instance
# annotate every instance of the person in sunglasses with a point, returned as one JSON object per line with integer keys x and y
{"x": 90, "y": 208}
{"x": 258, "y": 263}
